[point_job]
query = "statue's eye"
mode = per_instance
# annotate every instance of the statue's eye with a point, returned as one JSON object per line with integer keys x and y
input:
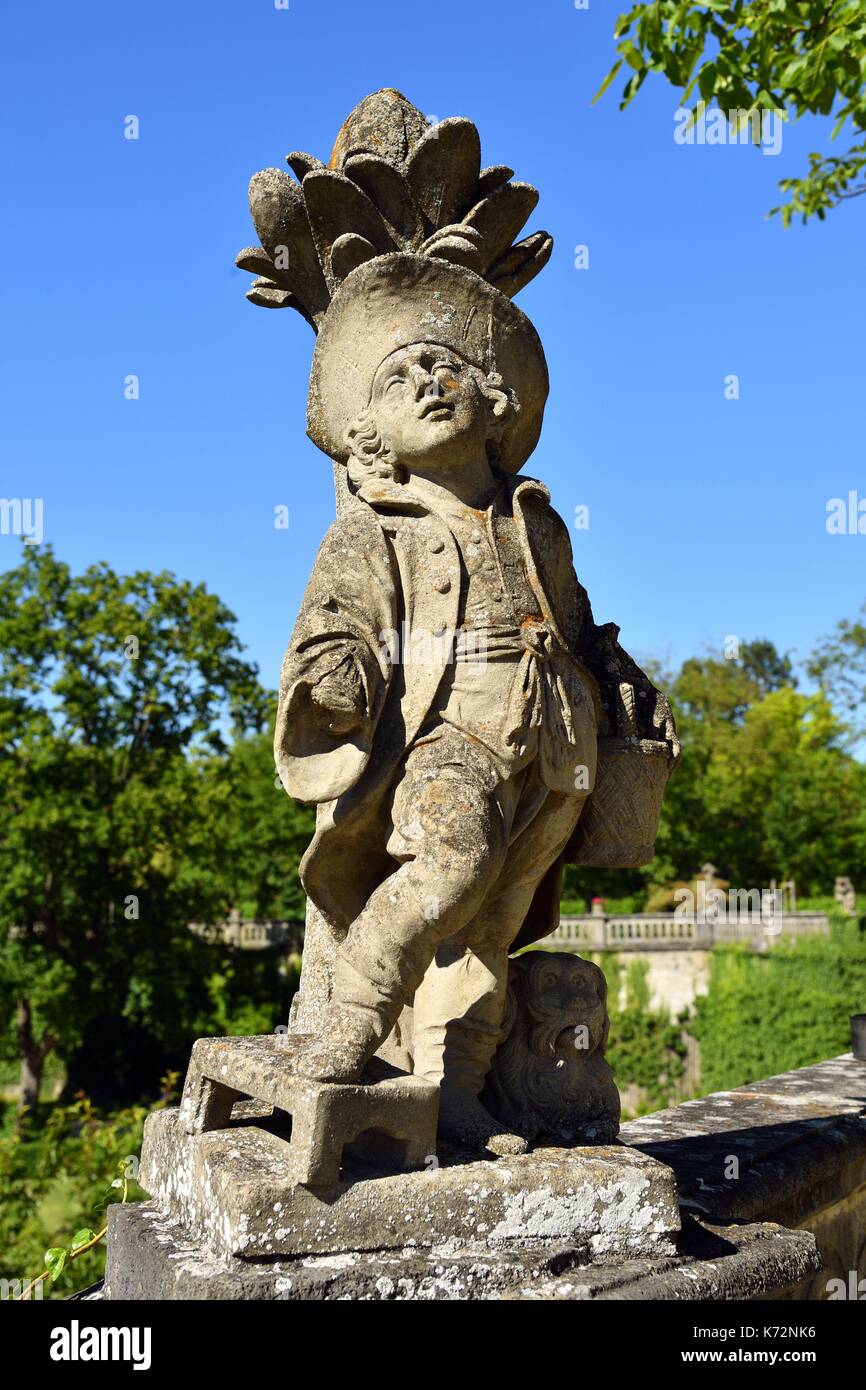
{"x": 394, "y": 381}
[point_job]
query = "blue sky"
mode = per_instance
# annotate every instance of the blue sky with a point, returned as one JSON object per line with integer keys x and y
{"x": 707, "y": 515}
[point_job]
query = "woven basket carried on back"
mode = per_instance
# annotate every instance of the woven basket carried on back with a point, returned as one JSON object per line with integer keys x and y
{"x": 619, "y": 823}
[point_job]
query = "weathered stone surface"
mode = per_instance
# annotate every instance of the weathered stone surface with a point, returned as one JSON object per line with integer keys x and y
{"x": 325, "y": 1117}
{"x": 454, "y": 777}
{"x": 444, "y": 170}
{"x": 790, "y": 1149}
{"x": 422, "y": 185}
{"x": 151, "y": 1256}
{"x": 843, "y": 892}
{"x": 394, "y": 301}
{"x": 279, "y": 212}
{"x": 386, "y": 123}
{"x": 235, "y": 1191}
{"x": 800, "y": 1139}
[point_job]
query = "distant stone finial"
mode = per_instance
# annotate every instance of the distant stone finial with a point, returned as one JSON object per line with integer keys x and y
{"x": 394, "y": 182}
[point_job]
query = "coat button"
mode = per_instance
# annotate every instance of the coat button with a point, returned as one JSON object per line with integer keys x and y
{"x": 442, "y": 586}
{"x": 436, "y": 546}
{"x": 476, "y": 537}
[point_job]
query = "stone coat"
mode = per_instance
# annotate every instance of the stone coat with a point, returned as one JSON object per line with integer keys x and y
{"x": 388, "y": 563}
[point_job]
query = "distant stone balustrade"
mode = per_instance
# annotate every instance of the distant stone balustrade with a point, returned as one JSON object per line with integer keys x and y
{"x": 251, "y": 935}
{"x": 666, "y": 931}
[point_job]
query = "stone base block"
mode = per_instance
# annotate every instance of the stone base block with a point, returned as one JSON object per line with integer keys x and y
{"x": 236, "y": 1191}
{"x": 325, "y": 1117}
{"x": 150, "y": 1256}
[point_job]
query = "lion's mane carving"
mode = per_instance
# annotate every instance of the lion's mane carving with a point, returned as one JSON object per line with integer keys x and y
{"x": 550, "y": 1080}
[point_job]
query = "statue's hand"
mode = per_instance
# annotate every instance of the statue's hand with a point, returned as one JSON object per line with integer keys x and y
{"x": 340, "y": 695}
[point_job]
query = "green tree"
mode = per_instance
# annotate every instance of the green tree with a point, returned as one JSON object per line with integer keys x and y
{"x": 715, "y": 690}
{"x": 265, "y": 831}
{"x": 838, "y": 664}
{"x": 116, "y": 694}
{"x": 798, "y": 56}
{"x": 767, "y": 787}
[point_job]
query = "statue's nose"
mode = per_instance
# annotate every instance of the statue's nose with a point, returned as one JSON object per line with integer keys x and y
{"x": 423, "y": 383}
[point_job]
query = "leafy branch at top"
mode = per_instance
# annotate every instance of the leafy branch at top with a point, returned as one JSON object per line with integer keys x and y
{"x": 800, "y": 57}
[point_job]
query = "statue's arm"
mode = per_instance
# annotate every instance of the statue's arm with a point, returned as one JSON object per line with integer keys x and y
{"x": 335, "y": 675}
{"x": 336, "y": 670}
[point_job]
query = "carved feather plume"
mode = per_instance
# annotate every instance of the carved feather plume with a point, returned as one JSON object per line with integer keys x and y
{"x": 394, "y": 182}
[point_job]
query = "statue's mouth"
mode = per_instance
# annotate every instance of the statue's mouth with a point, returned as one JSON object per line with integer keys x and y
{"x": 436, "y": 407}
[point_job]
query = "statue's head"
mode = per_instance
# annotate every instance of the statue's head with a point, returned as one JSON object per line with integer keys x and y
{"x": 402, "y": 241}
{"x": 423, "y": 364}
{"x": 429, "y": 407}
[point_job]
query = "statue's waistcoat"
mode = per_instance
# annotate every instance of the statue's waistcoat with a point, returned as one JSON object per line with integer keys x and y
{"x": 391, "y": 564}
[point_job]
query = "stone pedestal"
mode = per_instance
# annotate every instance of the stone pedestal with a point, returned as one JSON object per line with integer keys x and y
{"x": 152, "y": 1256}
{"x": 260, "y": 1166}
{"x": 235, "y": 1190}
{"x": 788, "y": 1224}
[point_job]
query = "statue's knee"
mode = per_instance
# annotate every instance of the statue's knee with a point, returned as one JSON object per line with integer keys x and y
{"x": 450, "y": 823}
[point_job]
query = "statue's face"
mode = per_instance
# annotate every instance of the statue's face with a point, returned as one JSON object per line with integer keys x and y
{"x": 428, "y": 407}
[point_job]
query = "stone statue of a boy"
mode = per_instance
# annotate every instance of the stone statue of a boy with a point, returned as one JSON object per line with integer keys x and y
{"x": 445, "y": 689}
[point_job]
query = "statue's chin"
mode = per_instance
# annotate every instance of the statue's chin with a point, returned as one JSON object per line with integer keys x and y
{"x": 444, "y": 445}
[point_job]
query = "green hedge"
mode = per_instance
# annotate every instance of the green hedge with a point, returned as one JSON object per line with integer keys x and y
{"x": 645, "y": 1048}
{"x": 791, "y": 1007}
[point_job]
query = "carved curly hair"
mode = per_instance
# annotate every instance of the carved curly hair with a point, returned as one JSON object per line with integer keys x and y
{"x": 369, "y": 456}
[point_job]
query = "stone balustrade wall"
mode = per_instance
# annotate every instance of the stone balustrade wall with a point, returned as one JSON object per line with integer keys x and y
{"x": 665, "y": 931}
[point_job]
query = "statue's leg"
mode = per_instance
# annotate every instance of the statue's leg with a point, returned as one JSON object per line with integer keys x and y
{"x": 451, "y": 831}
{"x": 458, "y": 1023}
{"x": 459, "y": 1006}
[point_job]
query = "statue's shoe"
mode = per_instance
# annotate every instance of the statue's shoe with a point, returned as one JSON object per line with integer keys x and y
{"x": 464, "y": 1123}
{"x": 317, "y": 1061}
{"x": 339, "y": 1053}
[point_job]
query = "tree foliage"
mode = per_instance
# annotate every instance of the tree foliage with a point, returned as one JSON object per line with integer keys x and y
{"x": 838, "y": 664}
{"x": 57, "y": 1164}
{"x": 646, "y": 1047}
{"x": 768, "y": 785}
{"x": 803, "y": 57}
{"x": 118, "y": 699}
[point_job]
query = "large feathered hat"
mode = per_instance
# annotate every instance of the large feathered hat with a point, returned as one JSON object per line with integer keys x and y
{"x": 403, "y": 238}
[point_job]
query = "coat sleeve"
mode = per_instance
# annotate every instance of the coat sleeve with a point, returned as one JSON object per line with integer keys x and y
{"x": 348, "y": 610}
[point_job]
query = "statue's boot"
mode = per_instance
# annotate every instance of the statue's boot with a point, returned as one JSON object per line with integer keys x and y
{"x": 356, "y": 1022}
{"x": 464, "y": 1123}
{"x": 458, "y": 1026}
